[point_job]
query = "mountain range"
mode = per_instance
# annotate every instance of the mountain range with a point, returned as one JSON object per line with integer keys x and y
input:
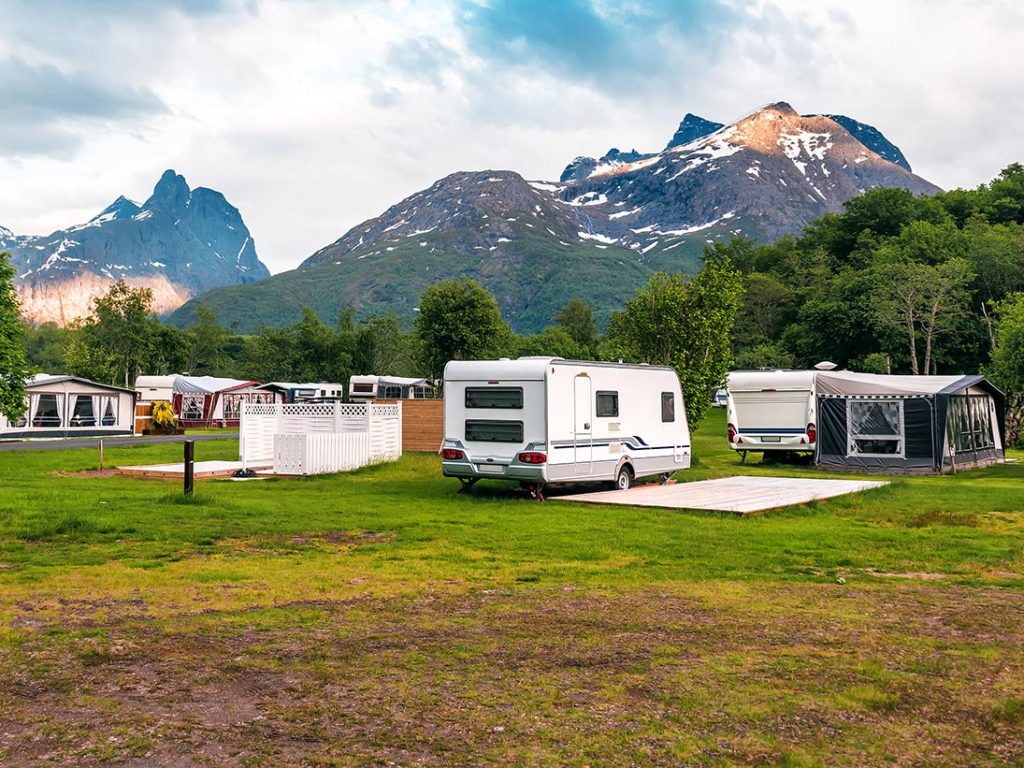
{"x": 597, "y": 233}
{"x": 180, "y": 243}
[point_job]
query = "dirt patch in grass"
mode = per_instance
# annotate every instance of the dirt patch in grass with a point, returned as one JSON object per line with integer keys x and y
{"x": 87, "y": 473}
{"x": 916, "y": 575}
{"x": 792, "y": 675}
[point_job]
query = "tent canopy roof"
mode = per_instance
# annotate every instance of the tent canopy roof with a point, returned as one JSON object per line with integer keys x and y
{"x": 204, "y": 385}
{"x": 850, "y": 383}
{"x": 41, "y": 379}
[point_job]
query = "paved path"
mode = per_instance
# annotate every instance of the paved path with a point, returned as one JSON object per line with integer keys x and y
{"x": 108, "y": 442}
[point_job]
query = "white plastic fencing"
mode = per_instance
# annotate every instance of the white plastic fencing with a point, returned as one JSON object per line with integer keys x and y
{"x": 263, "y": 424}
{"x": 321, "y": 453}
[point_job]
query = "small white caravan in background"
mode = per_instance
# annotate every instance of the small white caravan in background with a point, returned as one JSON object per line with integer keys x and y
{"x": 542, "y": 420}
{"x": 364, "y": 388}
{"x": 771, "y": 411}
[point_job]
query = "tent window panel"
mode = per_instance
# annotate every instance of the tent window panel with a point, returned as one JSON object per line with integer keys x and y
{"x": 82, "y": 412}
{"x": 192, "y": 407}
{"x": 47, "y": 409}
{"x": 875, "y": 428}
{"x": 108, "y": 410}
{"x": 232, "y": 406}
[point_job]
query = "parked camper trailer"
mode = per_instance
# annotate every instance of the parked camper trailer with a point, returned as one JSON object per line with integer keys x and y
{"x": 364, "y": 388}
{"x": 771, "y": 411}
{"x": 548, "y": 420}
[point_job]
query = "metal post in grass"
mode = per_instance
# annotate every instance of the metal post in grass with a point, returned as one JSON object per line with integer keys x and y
{"x": 101, "y": 454}
{"x": 190, "y": 456}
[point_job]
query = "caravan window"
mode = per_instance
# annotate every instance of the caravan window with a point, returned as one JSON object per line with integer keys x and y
{"x": 874, "y": 428}
{"x": 668, "y": 406}
{"x": 494, "y": 397}
{"x": 607, "y": 404}
{"x": 480, "y": 431}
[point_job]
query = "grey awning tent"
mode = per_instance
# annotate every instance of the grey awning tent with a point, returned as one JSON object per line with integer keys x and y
{"x": 908, "y": 423}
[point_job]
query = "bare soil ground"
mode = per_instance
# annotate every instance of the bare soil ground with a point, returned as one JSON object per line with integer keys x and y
{"x": 906, "y": 672}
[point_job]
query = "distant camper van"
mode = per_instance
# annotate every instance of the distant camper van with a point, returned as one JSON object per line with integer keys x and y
{"x": 543, "y": 420}
{"x": 771, "y": 411}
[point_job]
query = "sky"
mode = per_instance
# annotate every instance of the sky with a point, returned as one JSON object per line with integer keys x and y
{"x": 314, "y": 115}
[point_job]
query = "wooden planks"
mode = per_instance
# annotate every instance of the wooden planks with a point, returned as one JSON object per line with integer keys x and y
{"x": 203, "y": 469}
{"x": 742, "y": 494}
{"x": 422, "y": 424}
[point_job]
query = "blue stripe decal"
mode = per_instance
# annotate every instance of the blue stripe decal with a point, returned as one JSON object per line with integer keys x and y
{"x": 628, "y": 445}
{"x": 772, "y": 431}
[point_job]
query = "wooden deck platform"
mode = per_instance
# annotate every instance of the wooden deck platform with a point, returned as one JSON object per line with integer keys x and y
{"x": 742, "y": 494}
{"x": 202, "y": 470}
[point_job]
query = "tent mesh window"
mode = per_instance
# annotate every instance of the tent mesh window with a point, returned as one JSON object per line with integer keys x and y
{"x": 875, "y": 428}
{"x": 970, "y": 423}
{"x": 192, "y": 407}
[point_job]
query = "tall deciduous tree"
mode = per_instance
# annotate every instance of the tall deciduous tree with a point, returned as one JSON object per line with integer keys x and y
{"x": 686, "y": 325}
{"x": 459, "y": 320}
{"x": 205, "y": 342}
{"x": 1007, "y": 367}
{"x": 13, "y": 368}
{"x": 115, "y": 342}
{"x": 576, "y": 318}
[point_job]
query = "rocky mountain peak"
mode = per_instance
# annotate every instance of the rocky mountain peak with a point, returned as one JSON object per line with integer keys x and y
{"x": 692, "y": 128}
{"x": 170, "y": 191}
{"x": 122, "y": 208}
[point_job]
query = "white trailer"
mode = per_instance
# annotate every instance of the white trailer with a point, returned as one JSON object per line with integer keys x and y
{"x": 542, "y": 420}
{"x": 771, "y": 411}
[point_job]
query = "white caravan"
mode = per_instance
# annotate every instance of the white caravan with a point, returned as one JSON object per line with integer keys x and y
{"x": 541, "y": 420}
{"x": 771, "y": 411}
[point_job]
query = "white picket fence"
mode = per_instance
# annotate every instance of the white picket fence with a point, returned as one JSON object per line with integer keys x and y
{"x": 316, "y": 438}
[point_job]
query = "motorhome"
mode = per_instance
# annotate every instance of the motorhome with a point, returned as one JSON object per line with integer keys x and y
{"x": 771, "y": 412}
{"x": 543, "y": 420}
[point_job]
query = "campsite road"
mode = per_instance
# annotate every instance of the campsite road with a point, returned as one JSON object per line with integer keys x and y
{"x": 108, "y": 442}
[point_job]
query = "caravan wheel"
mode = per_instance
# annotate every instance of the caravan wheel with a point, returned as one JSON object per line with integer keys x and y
{"x": 624, "y": 479}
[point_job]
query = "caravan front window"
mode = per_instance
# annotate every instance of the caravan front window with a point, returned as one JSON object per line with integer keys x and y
{"x": 874, "y": 428}
{"x": 494, "y": 397}
{"x": 480, "y": 431}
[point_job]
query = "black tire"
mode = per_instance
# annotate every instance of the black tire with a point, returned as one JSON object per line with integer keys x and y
{"x": 624, "y": 478}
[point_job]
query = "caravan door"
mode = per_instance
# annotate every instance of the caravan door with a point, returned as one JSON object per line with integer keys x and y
{"x": 583, "y": 434}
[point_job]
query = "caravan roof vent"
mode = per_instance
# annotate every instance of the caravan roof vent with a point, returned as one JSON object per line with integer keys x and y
{"x": 826, "y": 365}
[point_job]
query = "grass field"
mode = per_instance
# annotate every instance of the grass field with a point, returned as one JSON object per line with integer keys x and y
{"x": 379, "y": 618}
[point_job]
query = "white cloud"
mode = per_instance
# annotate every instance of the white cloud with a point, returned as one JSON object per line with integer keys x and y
{"x": 314, "y": 115}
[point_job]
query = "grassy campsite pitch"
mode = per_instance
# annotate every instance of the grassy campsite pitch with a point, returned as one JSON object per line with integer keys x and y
{"x": 379, "y": 618}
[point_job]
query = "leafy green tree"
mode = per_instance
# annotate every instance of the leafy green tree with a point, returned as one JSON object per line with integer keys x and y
{"x": 459, "y": 320}
{"x": 554, "y": 341}
{"x": 205, "y": 342}
{"x": 1007, "y": 366}
{"x": 382, "y": 347}
{"x": 44, "y": 346}
{"x": 14, "y": 370}
{"x": 576, "y": 318}
{"x": 114, "y": 343}
{"x": 686, "y": 325}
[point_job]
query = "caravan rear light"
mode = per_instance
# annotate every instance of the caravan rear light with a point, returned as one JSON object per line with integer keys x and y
{"x": 450, "y": 454}
{"x": 533, "y": 457}
{"x": 731, "y": 432}
{"x": 812, "y": 434}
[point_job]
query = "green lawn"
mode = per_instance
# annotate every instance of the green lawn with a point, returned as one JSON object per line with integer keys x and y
{"x": 380, "y": 618}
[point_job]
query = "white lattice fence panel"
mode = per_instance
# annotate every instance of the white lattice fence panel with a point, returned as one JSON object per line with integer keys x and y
{"x": 385, "y": 431}
{"x": 257, "y": 428}
{"x": 320, "y": 453}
